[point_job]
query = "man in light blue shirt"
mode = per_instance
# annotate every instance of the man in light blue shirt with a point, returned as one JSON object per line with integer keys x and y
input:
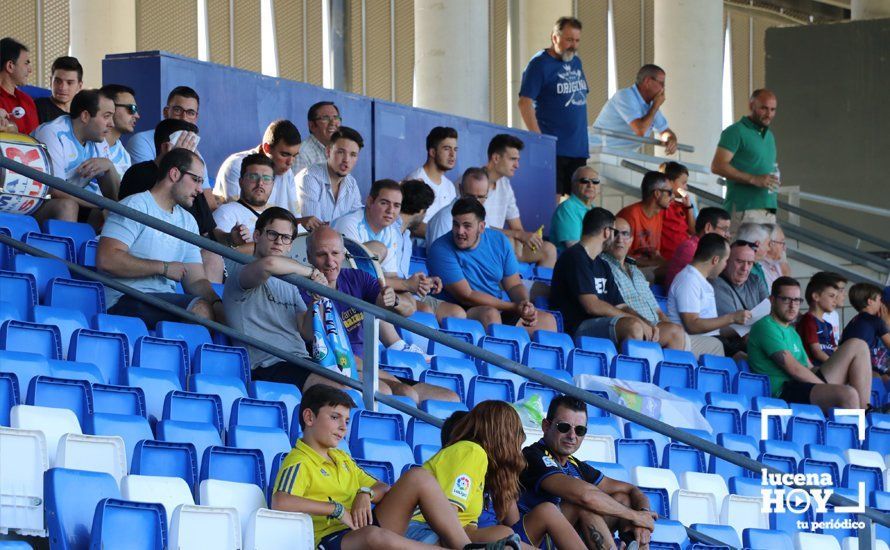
{"x": 152, "y": 261}
{"x": 636, "y": 110}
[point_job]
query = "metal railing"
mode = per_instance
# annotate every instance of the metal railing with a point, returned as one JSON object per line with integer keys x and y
{"x": 645, "y": 140}
{"x": 370, "y": 364}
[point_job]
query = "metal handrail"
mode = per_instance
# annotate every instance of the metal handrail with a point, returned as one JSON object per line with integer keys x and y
{"x": 842, "y": 203}
{"x": 639, "y": 139}
{"x": 795, "y": 231}
{"x": 460, "y": 345}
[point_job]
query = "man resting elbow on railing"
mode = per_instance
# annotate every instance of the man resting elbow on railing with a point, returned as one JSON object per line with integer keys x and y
{"x": 152, "y": 261}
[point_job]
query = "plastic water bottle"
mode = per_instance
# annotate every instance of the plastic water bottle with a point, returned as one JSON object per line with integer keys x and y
{"x": 778, "y": 175}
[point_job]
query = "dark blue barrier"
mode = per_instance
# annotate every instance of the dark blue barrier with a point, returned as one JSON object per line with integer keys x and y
{"x": 400, "y": 147}
{"x": 36, "y": 91}
{"x": 236, "y": 105}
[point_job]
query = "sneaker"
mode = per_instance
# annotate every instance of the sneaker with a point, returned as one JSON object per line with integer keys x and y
{"x": 402, "y": 345}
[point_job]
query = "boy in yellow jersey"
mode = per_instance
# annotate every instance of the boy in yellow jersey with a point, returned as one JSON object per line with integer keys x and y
{"x": 319, "y": 479}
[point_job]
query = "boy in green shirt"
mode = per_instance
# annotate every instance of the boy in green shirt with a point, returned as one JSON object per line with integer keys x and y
{"x": 776, "y": 350}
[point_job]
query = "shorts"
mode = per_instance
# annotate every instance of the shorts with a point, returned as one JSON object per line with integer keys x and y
{"x": 334, "y": 540}
{"x": 149, "y": 314}
{"x": 431, "y": 301}
{"x": 420, "y": 531}
{"x": 599, "y": 327}
{"x": 794, "y": 391}
{"x": 565, "y": 167}
{"x": 283, "y": 372}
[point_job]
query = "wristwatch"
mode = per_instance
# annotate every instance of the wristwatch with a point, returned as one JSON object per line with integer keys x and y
{"x": 366, "y": 490}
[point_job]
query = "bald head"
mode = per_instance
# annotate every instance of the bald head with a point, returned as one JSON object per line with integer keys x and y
{"x": 323, "y": 234}
{"x": 763, "y": 106}
{"x": 325, "y": 252}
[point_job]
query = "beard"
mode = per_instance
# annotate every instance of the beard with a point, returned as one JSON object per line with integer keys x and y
{"x": 567, "y": 55}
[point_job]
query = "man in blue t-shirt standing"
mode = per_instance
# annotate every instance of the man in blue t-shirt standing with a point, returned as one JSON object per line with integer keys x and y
{"x": 553, "y": 99}
{"x": 479, "y": 271}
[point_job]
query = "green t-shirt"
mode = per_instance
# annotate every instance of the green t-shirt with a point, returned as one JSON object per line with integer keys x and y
{"x": 754, "y": 152}
{"x": 767, "y": 337}
{"x": 565, "y": 225}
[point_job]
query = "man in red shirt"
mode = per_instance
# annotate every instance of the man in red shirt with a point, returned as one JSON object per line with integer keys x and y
{"x": 710, "y": 219}
{"x": 16, "y": 107}
{"x": 646, "y": 219}
{"x": 679, "y": 218}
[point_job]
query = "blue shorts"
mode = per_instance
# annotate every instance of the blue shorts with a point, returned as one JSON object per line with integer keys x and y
{"x": 420, "y": 531}
{"x": 598, "y": 327}
{"x": 333, "y": 541}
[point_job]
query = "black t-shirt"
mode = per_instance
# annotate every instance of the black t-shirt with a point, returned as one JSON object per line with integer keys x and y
{"x": 575, "y": 274}
{"x": 47, "y": 110}
{"x": 540, "y": 464}
{"x": 142, "y": 176}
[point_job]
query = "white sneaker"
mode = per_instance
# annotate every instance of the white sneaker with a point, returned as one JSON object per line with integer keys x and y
{"x": 402, "y": 345}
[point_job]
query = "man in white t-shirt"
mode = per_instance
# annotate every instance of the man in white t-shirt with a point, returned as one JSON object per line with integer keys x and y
{"x": 501, "y": 210}
{"x": 324, "y": 120}
{"x": 79, "y": 154}
{"x": 256, "y": 182}
{"x": 691, "y": 300}
{"x": 441, "y": 156}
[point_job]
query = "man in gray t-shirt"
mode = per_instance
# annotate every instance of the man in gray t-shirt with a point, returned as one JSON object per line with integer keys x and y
{"x": 262, "y": 306}
{"x": 152, "y": 261}
{"x": 737, "y": 288}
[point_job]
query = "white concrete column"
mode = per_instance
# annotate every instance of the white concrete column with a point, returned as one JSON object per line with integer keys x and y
{"x": 869, "y": 9}
{"x": 100, "y": 27}
{"x": 451, "y": 63}
{"x": 531, "y": 22}
{"x": 689, "y": 47}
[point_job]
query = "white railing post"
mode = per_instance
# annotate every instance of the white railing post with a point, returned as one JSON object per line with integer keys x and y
{"x": 370, "y": 360}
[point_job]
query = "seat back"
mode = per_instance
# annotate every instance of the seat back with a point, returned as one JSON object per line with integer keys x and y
{"x": 751, "y": 385}
{"x": 678, "y": 375}
{"x": 222, "y": 361}
{"x": 377, "y": 425}
{"x": 169, "y": 491}
{"x": 118, "y": 399}
{"x": 470, "y": 326}
{"x": 723, "y": 420}
{"x": 132, "y": 327}
{"x": 636, "y": 452}
{"x": 23, "y": 460}
{"x": 163, "y": 354}
{"x": 17, "y": 224}
{"x": 625, "y": 367}
{"x": 258, "y": 413}
{"x": 94, "y": 453}
{"x": 602, "y": 345}
{"x": 587, "y": 362}
{"x": 193, "y": 335}
{"x": 277, "y": 529}
{"x": 20, "y": 290}
{"x": 85, "y": 296}
{"x": 510, "y": 332}
{"x": 117, "y": 520}
{"x": 483, "y": 388}
{"x": 205, "y": 527}
{"x": 61, "y": 247}
{"x": 244, "y": 497}
{"x": 166, "y": 459}
{"x": 543, "y": 356}
{"x": 45, "y": 340}
{"x": 108, "y": 351}
{"x": 236, "y": 465}
{"x": 79, "y": 233}
{"x": 378, "y": 469}
{"x": 71, "y": 500}
{"x": 132, "y": 428}
{"x": 650, "y": 351}
{"x": 710, "y": 379}
{"x": 42, "y": 269}
{"x": 194, "y": 407}
{"x": 60, "y": 393}
{"x": 727, "y": 364}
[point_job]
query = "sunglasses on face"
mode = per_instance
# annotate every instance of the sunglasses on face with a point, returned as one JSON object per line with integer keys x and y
{"x": 749, "y": 244}
{"x": 588, "y": 181}
{"x": 564, "y": 427}
{"x": 131, "y": 108}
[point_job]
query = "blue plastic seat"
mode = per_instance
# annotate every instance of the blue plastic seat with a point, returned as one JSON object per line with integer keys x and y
{"x": 422, "y": 453}
{"x": 728, "y": 470}
{"x": 469, "y": 326}
{"x": 650, "y": 351}
{"x": 677, "y": 375}
{"x": 42, "y": 269}
{"x": 231, "y": 464}
{"x": 510, "y": 332}
{"x": 625, "y": 367}
{"x": 783, "y": 448}
{"x": 659, "y": 500}
{"x": 465, "y": 368}
{"x": 760, "y": 403}
{"x": 438, "y": 348}
{"x": 45, "y": 340}
{"x": 273, "y": 476}
{"x": 810, "y": 466}
{"x": 587, "y": 362}
{"x": 20, "y": 290}
{"x": 269, "y": 441}
{"x": 10, "y": 395}
{"x": 671, "y": 532}
{"x": 690, "y": 394}
{"x": 441, "y": 409}
{"x": 396, "y": 452}
{"x": 258, "y": 413}
{"x": 131, "y": 427}
{"x": 288, "y": 394}
{"x": 543, "y": 356}
{"x": 708, "y": 380}
{"x": 724, "y": 533}
{"x": 376, "y": 425}
{"x": 79, "y": 233}
{"x": 447, "y": 380}
{"x": 200, "y": 434}
{"x": 414, "y": 362}
{"x": 85, "y": 296}
{"x": 226, "y": 387}
{"x": 751, "y": 385}
{"x": 841, "y": 434}
{"x": 745, "y": 486}
{"x": 483, "y": 388}
{"x": 106, "y": 350}
{"x": 766, "y": 538}
{"x": 723, "y": 420}
{"x": 509, "y": 349}
{"x": 784, "y": 464}
{"x": 635, "y": 431}
{"x": 117, "y": 520}
{"x": 11, "y": 310}
{"x": 424, "y": 318}
{"x": 61, "y": 247}
{"x": 751, "y": 422}
{"x": 168, "y": 459}
{"x": 729, "y": 401}
{"x": 421, "y": 433}
{"x": 602, "y": 345}
{"x": 832, "y": 520}
{"x": 229, "y": 361}
{"x": 71, "y": 498}
{"x": 164, "y": 354}
{"x": 68, "y": 320}
{"x": 546, "y": 393}
{"x": 155, "y": 384}
{"x": 872, "y": 478}
{"x": 877, "y": 439}
{"x": 378, "y": 469}
{"x": 25, "y": 366}
{"x": 416, "y": 265}
{"x": 556, "y": 339}
{"x": 193, "y": 335}
{"x": 194, "y": 407}
{"x": 680, "y": 356}
{"x": 118, "y": 400}
{"x": 86, "y": 254}
{"x": 59, "y": 393}
{"x": 611, "y": 470}
{"x": 787, "y": 523}
{"x": 131, "y": 327}
{"x": 800, "y": 410}
{"x": 739, "y": 442}
{"x": 727, "y": 364}
{"x": 825, "y": 453}
{"x": 805, "y": 431}
{"x": 605, "y": 425}
{"x": 680, "y": 458}
{"x": 636, "y": 452}
{"x": 17, "y": 224}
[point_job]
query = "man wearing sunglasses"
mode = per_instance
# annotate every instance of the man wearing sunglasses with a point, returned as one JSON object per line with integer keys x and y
{"x": 776, "y": 350}
{"x": 565, "y": 225}
{"x": 126, "y": 115}
{"x": 595, "y": 504}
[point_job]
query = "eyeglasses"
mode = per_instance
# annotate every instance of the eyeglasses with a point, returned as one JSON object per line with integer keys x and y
{"x": 275, "y": 235}
{"x": 749, "y": 244}
{"x": 588, "y": 181}
{"x": 663, "y": 190}
{"x": 177, "y": 110}
{"x": 195, "y": 177}
{"x": 131, "y": 108}
{"x": 254, "y": 177}
{"x": 623, "y": 234}
{"x": 327, "y": 119}
{"x": 780, "y": 243}
{"x": 789, "y": 300}
{"x": 564, "y": 427}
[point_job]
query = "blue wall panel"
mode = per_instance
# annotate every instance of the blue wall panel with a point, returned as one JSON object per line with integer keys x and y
{"x": 236, "y": 105}
{"x": 400, "y": 147}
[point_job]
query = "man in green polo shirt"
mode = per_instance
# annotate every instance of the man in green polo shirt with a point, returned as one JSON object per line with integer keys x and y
{"x": 746, "y": 157}
{"x": 776, "y": 350}
{"x": 565, "y": 225}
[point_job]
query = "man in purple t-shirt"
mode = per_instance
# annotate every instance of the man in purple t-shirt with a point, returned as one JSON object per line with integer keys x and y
{"x": 325, "y": 252}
